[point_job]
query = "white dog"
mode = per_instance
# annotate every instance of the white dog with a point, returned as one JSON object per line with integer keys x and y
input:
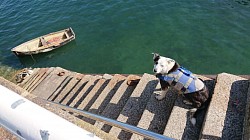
{"x": 171, "y": 74}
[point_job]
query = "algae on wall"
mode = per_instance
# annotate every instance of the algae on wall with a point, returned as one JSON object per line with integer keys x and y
{"x": 8, "y": 73}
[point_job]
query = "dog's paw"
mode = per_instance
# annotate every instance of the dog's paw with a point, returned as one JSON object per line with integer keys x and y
{"x": 193, "y": 110}
{"x": 187, "y": 102}
{"x": 159, "y": 97}
{"x": 193, "y": 121}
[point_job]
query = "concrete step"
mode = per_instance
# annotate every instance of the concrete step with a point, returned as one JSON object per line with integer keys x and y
{"x": 103, "y": 95}
{"x": 103, "y": 99}
{"x": 156, "y": 113}
{"x": 81, "y": 82}
{"x": 53, "y": 83}
{"x": 58, "y": 111}
{"x": 124, "y": 99}
{"x": 27, "y": 79}
{"x": 30, "y": 78}
{"x": 65, "y": 91}
{"x": 29, "y": 84}
{"x": 179, "y": 125}
{"x": 135, "y": 105}
{"x": 92, "y": 80}
{"x": 246, "y": 128}
{"x": 40, "y": 79}
{"x": 225, "y": 115}
{"x": 93, "y": 94}
{"x": 116, "y": 104}
{"x": 71, "y": 118}
{"x": 61, "y": 87}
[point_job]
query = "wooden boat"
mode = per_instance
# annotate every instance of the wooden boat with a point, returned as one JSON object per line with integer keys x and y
{"x": 45, "y": 43}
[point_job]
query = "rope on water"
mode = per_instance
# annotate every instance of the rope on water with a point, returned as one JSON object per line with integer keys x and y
{"x": 32, "y": 58}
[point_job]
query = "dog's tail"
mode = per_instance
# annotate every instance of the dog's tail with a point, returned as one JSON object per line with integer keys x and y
{"x": 200, "y": 110}
{"x": 196, "y": 113}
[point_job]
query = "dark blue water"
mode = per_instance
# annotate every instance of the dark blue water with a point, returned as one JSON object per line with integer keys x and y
{"x": 116, "y": 36}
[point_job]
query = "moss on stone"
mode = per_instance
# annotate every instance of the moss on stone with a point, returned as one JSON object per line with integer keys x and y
{"x": 8, "y": 73}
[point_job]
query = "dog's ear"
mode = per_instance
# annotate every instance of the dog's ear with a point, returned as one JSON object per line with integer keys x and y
{"x": 170, "y": 61}
{"x": 156, "y": 56}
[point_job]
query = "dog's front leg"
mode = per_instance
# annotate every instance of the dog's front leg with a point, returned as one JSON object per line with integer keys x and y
{"x": 164, "y": 90}
{"x": 161, "y": 95}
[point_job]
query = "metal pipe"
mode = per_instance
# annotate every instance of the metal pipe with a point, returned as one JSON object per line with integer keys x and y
{"x": 27, "y": 120}
{"x": 124, "y": 126}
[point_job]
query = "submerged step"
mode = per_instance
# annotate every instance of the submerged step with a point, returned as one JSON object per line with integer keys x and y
{"x": 225, "y": 116}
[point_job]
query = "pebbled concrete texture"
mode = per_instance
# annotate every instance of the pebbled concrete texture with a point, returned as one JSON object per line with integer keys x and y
{"x": 6, "y": 135}
{"x": 116, "y": 104}
{"x": 179, "y": 125}
{"x": 246, "y": 129}
{"x": 135, "y": 105}
{"x": 225, "y": 116}
{"x": 156, "y": 113}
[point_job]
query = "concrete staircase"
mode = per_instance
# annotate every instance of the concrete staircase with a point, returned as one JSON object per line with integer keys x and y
{"x": 111, "y": 96}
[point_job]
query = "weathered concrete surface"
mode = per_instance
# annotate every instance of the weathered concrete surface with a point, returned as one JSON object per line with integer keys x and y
{"x": 71, "y": 84}
{"x": 91, "y": 81}
{"x": 93, "y": 94}
{"x": 27, "y": 79}
{"x": 53, "y": 83}
{"x": 116, "y": 104}
{"x": 13, "y": 87}
{"x": 246, "y": 129}
{"x": 225, "y": 116}
{"x": 135, "y": 105}
{"x": 156, "y": 113}
{"x": 106, "y": 95}
{"x": 4, "y": 134}
{"x": 82, "y": 80}
{"x": 179, "y": 125}
{"x": 40, "y": 79}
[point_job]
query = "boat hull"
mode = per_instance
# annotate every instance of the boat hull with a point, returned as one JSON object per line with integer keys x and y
{"x": 45, "y": 43}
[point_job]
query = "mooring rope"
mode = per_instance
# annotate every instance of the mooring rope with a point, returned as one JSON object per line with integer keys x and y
{"x": 31, "y": 57}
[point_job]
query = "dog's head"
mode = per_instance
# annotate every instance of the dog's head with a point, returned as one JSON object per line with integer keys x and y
{"x": 162, "y": 65}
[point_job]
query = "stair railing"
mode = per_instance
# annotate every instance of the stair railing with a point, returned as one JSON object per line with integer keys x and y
{"x": 121, "y": 125}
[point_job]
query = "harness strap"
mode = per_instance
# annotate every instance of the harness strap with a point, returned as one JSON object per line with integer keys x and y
{"x": 178, "y": 76}
{"x": 188, "y": 82}
{"x": 182, "y": 80}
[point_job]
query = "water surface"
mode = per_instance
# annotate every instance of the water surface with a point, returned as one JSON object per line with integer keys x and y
{"x": 117, "y": 36}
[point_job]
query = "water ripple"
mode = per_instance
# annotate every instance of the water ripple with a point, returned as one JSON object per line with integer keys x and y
{"x": 184, "y": 30}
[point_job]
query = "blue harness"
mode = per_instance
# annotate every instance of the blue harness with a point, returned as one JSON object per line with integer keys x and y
{"x": 181, "y": 79}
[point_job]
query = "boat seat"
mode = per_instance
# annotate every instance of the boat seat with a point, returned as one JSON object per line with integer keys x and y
{"x": 65, "y": 36}
{"x": 43, "y": 41}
